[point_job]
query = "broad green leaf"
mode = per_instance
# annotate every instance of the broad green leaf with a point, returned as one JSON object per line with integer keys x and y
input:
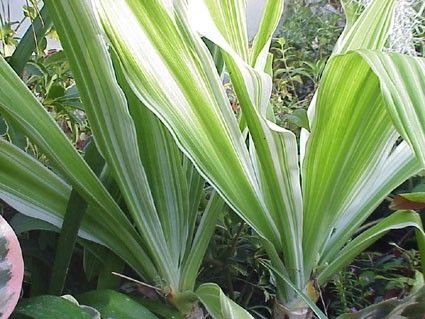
{"x": 397, "y": 220}
{"x": 11, "y": 269}
{"x": 414, "y": 201}
{"x": 115, "y": 305}
{"x": 415, "y": 197}
{"x": 218, "y": 305}
{"x": 22, "y": 223}
{"x": 50, "y": 307}
{"x": 71, "y": 98}
{"x": 160, "y": 310}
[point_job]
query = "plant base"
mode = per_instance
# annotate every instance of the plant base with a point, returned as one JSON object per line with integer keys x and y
{"x": 196, "y": 312}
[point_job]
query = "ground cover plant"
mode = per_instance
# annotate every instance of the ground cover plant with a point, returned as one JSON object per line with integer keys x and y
{"x": 162, "y": 125}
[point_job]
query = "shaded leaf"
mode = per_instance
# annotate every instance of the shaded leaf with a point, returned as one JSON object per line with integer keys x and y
{"x": 115, "y": 305}
{"x": 220, "y": 306}
{"x": 49, "y": 307}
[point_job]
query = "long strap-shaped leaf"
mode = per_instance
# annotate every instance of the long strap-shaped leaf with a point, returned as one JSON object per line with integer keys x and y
{"x": 164, "y": 170}
{"x": 397, "y": 220}
{"x": 11, "y": 269}
{"x": 398, "y": 167}
{"x": 178, "y": 81}
{"x": 269, "y": 22}
{"x": 370, "y": 31}
{"x": 350, "y": 133}
{"x": 107, "y": 111}
{"x": 29, "y": 42}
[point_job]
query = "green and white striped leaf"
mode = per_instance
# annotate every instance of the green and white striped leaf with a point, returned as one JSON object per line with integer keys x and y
{"x": 351, "y": 133}
{"x": 397, "y": 220}
{"x": 154, "y": 70}
{"x": 20, "y": 107}
{"x": 163, "y": 163}
{"x": 218, "y": 305}
{"x": 368, "y": 31}
{"x": 403, "y": 87}
{"x": 398, "y": 167}
{"x": 11, "y": 269}
{"x": 29, "y": 187}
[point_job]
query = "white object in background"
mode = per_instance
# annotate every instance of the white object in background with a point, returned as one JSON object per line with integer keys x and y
{"x": 254, "y": 11}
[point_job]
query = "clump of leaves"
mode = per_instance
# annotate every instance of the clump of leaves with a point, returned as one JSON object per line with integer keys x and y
{"x": 49, "y": 78}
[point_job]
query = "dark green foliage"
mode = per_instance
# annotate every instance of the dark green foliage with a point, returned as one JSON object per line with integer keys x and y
{"x": 372, "y": 278}
{"x": 233, "y": 261}
{"x": 412, "y": 307}
{"x": 303, "y": 43}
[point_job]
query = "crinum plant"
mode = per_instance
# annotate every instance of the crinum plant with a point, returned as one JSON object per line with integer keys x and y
{"x": 305, "y": 203}
{"x": 139, "y": 65}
